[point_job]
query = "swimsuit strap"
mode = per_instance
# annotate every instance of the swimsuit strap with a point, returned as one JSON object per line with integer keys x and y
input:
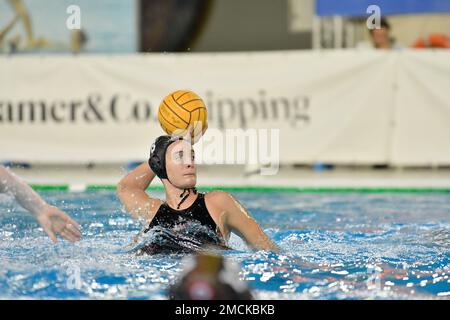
{"x": 184, "y": 197}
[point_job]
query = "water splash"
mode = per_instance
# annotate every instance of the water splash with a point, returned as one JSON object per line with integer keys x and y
{"x": 335, "y": 246}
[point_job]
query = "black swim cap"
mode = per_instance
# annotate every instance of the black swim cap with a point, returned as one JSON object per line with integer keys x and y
{"x": 157, "y": 160}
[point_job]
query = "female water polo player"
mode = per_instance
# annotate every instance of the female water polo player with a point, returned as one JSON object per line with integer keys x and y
{"x": 188, "y": 220}
{"x": 51, "y": 219}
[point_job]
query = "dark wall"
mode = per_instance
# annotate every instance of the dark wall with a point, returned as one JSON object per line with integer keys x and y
{"x": 170, "y": 25}
{"x": 247, "y": 25}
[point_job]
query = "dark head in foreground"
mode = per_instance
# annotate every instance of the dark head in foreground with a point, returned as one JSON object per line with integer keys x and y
{"x": 210, "y": 277}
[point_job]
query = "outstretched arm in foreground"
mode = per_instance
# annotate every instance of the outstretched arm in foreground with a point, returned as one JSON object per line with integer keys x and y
{"x": 51, "y": 219}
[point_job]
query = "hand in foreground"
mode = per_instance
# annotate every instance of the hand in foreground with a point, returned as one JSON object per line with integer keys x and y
{"x": 54, "y": 221}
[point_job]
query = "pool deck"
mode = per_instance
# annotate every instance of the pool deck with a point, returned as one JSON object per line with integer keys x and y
{"x": 78, "y": 177}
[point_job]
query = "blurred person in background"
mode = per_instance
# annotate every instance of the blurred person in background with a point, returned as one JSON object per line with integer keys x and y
{"x": 209, "y": 277}
{"x": 52, "y": 220}
{"x": 380, "y": 38}
{"x": 6, "y": 29}
{"x": 78, "y": 40}
{"x": 13, "y": 44}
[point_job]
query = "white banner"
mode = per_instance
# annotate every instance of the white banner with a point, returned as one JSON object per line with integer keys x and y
{"x": 421, "y": 134}
{"x": 344, "y": 107}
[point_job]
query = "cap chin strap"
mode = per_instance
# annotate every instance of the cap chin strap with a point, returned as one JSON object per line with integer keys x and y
{"x": 185, "y": 194}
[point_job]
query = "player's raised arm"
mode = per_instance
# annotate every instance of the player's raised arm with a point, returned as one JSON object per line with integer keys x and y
{"x": 131, "y": 191}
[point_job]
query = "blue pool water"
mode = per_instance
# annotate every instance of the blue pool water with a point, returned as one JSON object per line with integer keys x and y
{"x": 336, "y": 246}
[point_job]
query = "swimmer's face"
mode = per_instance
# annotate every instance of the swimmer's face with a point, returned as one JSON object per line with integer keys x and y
{"x": 180, "y": 164}
{"x": 380, "y": 37}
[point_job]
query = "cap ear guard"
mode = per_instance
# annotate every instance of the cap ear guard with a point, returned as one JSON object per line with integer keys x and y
{"x": 157, "y": 166}
{"x": 157, "y": 160}
{"x": 156, "y": 163}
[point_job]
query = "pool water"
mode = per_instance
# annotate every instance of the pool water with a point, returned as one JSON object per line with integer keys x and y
{"x": 335, "y": 246}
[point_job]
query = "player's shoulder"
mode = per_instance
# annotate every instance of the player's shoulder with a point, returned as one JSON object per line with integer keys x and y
{"x": 217, "y": 194}
{"x": 218, "y": 197}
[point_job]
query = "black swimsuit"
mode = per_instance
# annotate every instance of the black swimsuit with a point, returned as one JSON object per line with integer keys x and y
{"x": 182, "y": 231}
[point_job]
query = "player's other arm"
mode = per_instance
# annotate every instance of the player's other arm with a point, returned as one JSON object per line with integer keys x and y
{"x": 131, "y": 192}
{"x": 239, "y": 220}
